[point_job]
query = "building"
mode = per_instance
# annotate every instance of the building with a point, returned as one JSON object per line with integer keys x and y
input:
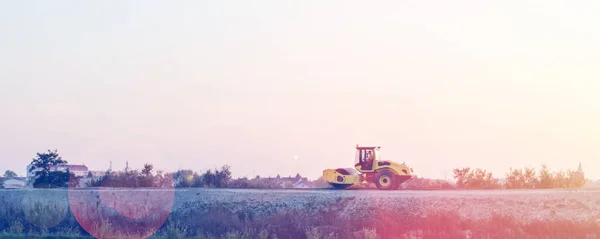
{"x": 31, "y": 172}
{"x": 13, "y": 184}
{"x": 302, "y": 184}
{"x": 292, "y": 182}
{"x": 580, "y": 170}
{"x": 77, "y": 170}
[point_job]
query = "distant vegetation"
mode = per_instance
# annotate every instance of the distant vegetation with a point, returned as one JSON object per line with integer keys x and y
{"x": 133, "y": 179}
{"x": 9, "y": 174}
{"x": 465, "y": 178}
{"x": 479, "y": 179}
{"x": 45, "y": 177}
{"x": 528, "y": 178}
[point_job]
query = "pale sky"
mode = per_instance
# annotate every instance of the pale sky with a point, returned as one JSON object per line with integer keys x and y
{"x": 199, "y": 84}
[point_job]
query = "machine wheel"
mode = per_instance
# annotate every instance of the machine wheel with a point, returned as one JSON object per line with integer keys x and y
{"x": 340, "y": 186}
{"x": 385, "y": 180}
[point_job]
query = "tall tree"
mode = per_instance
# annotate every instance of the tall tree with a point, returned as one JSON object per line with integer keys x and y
{"x": 184, "y": 178}
{"x": 46, "y": 177}
{"x": 223, "y": 176}
{"x": 208, "y": 178}
{"x": 546, "y": 178}
{"x": 515, "y": 179}
{"x": 530, "y": 179}
{"x": 560, "y": 180}
{"x": 477, "y": 179}
{"x": 462, "y": 177}
{"x": 147, "y": 171}
{"x": 45, "y": 161}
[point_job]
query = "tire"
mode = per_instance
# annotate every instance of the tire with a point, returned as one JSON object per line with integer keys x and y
{"x": 386, "y": 180}
{"x": 340, "y": 186}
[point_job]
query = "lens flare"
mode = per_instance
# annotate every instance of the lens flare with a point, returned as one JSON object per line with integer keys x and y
{"x": 111, "y": 212}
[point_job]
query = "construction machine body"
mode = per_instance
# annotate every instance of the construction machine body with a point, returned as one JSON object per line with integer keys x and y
{"x": 369, "y": 168}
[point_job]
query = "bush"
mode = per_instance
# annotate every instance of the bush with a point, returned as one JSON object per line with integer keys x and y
{"x": 528, "y": 178}
{"x": 427, "y": 184}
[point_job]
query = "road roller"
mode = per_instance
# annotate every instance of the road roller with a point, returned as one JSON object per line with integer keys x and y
{"x": 369, "y": 168}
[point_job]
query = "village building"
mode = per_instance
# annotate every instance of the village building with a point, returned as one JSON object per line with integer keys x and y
{"x": 14, "y": 184}
{"x": 77, "y": 170}
{"x": 292, "y": 182}
{"x": 580, "y": 170}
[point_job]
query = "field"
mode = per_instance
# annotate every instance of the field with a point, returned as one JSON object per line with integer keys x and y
{"x": 212, "y": 213}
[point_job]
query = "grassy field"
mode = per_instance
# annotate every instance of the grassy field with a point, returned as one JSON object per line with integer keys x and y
{"x": 298, "y": 214}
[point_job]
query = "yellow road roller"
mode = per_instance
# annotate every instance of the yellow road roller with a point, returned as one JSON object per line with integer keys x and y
{"x": 369, "y": 168}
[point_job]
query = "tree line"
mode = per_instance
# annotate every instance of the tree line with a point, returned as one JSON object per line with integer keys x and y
{"x": 217, "y": 178}
{"x": 466, "y": 178}
{"x": 132, "y": 179}
{"x": 527, "y": 178}
{"x": 45, "y": 177}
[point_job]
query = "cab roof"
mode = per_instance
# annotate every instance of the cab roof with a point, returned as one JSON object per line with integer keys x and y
{"x": 367, "y": 147}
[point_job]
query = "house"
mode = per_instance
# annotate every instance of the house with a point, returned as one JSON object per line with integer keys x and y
{"x": 77, "y": 170}
{"x": 592, "y": 184}
{"x": 13, "y": 184}
{"x": 292, "y": 182}
{"x": 31, "y": 172}
{"x": 302, "y": 184}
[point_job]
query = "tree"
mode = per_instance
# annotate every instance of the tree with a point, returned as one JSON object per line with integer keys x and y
{"x": 560, "y": 180}
{"x": 545, "y": 177}
{"x": 575, "y": 180}
{"x": 240, "y": 183}
{"x": 45, "y": 161}
{"x": 461, "y": 176}
{"x": 147, "y": 171}
{"x": 491, "y": 182}
{"x": 97, "y": 182}
{"x": 288, "y": 184}
{"x": 223, "y": 176}
{"x": 184, "y": 178}
{"x": 477, "y": 179}
{"x": 9, "y": 174}
{"x": 46, "y": 177}
{"x": 530, "y": 179}
{"x": 145, "y": 178}
{"x": 514, "y": 179}
{"x": 74, "y": 181}
{"x": 208, "y": 178}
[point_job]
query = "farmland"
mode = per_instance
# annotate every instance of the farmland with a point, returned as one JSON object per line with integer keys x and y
{"x": 236, "y": 213}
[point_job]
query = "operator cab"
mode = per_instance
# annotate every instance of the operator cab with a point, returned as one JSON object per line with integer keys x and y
{"x": 366, "y": 157}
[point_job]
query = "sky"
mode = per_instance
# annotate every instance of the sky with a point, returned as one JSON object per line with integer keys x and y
{"x": 286, "y": 87}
